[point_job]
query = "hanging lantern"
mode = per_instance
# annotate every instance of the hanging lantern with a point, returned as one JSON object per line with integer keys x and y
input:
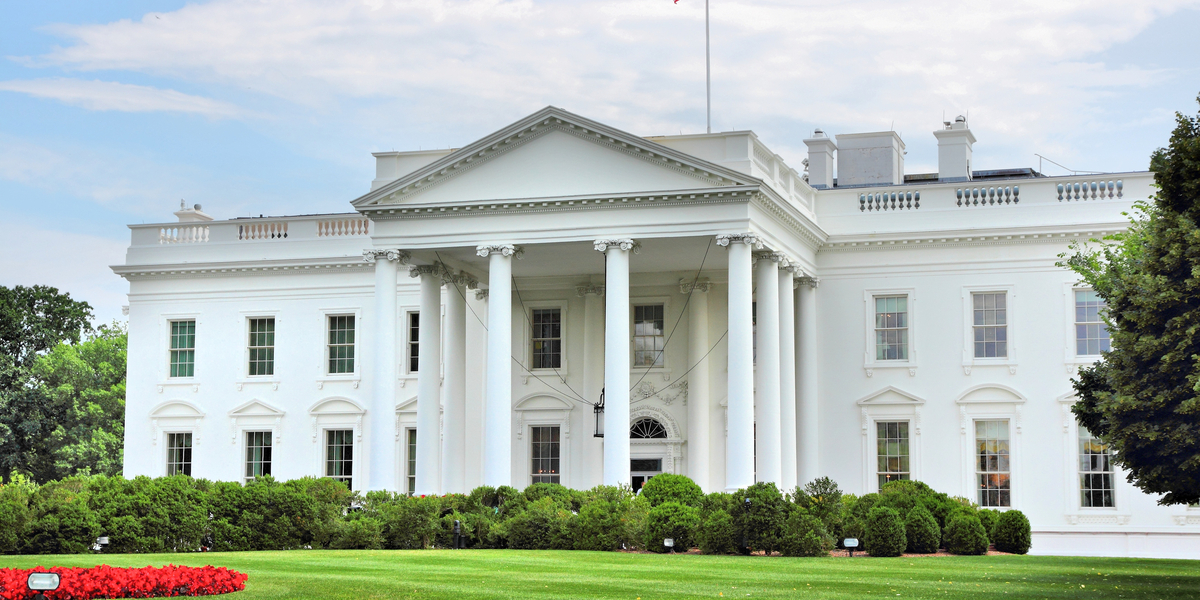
{"x": 598, "y": 409}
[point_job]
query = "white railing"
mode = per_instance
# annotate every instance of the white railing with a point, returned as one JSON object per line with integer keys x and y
{"x": 889, "y": 200}
{"x": 183, "y": 234}
{"x": 1090, "y": 190}
{"x": 988, "y": 196}
{"x": 271, "y": 230}
{"x": 340, "y": 227}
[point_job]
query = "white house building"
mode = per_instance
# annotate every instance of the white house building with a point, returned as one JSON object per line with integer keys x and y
{"x": 741, "y": 323}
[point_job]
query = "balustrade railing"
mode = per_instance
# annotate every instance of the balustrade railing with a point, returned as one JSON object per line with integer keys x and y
{"x": 341, "y": 227}
{"x": 272, "y": 230}
{"x": 1090, "y": 190}
{"x": 988, "y": 196}
{"x": 904, "y": 200}
{"x": 183, "y": 234}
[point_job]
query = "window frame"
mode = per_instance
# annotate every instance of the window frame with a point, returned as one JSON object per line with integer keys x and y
{"x": 409, "y": 314}
{"x": 886, "y": 405}
{"x": 247, "y": 316}
{"x": 353, "y": 445}
{"x": 870, "y": 363}
{"x": 323, "y": 353}
{"x": 409, "y": 476}
{"x": 563, "y": 307}
{"x": 665, "y": 368}
{"x": 166, "y": 451}
{"x": 1011, "y": 320}
{"x": 245, "y": 435}
{"x": 168, "y": 322}
{"x": 1079, "y": 473}
{"x": 907, "y": 475}
{"x": 977, "y": 490}
{"x": 1071, "y": 360}
{"x": 533, "y": 477}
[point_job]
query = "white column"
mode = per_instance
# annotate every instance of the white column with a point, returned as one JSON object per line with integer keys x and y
{"x": 429, "y": 374}
{"x": 382, "y": 440}
{"x": 454, "y": 419}
{"x": 807, "y": 392}
{"x": 592, "y": 460}
{"x": 766, "y": 370}
{"x": 787, "y": 375}
{"x": 698, "y": 408}
{"x": 616, "y": 360}
{"x": 497, "y": 428}
{"x": 739, "y": 440}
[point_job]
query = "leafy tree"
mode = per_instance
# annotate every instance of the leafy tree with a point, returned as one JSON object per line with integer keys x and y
{"x": 33, "y": 320}
{"x": 1143, "y": 396}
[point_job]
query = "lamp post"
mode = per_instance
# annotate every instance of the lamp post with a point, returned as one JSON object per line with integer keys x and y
{"x": 598, "y": 410}
{"x": 457, "y": 534}
{"x": 669, "y": 544}
{"x": 42, "y": 582}
{"x": 746, "y": 528}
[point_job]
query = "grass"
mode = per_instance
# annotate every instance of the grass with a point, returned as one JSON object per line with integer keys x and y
{"x": 467, "y": 574}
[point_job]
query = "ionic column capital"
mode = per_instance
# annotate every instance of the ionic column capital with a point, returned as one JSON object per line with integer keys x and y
{"x": 589, "y": 290}
{"x": 481, "y": 294}
{"x": 419, "y": 270}
{"x": 750, "y": 239}
{"x": 809, "y": 280}
{"x": 506, "y": 250}
{"x": 776, "y": 257}
{"x": 461, "y": 278}
{"x": 687, "y": 286}
{"x": 375, "y": 254}
{"x": 626, "y": 244}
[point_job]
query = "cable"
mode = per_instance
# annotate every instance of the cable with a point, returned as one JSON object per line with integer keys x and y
{"x": 693, "y": 367}
{"x": 525, "y": 313}
{"x": 691, "y": 291}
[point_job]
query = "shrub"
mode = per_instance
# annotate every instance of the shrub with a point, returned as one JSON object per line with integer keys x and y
{"x": 561, "y": 495}
{"x": 718, "y": 501}
{"x": 359, "y": 533}
{"x": 988, "y": 517}
{"x": 598, "y": 526}
{"x": 885, "y": 532}
{"x": 61, "y": 521}
{"x": 672, "y": 488}
{"x": 853, "y": 528}
{"x": 762, "y": 523}
{"x": 965, "y": 535}
{"x": 543, "y": 525}
{"x": 804, "y": 535}
{"x": 484, "y": 495}
{"x": 406, "y": 522}
{"x": 1012, "y": 532}
{"x": 509, "y": 501}
{"x": 671, "y": 520}
{"x": 862, "y": 506}
{"x": 718, "y": 534}
{"x": 922, "y": 531}
{"x": 822, "y": 499}
{"x": 13, "y": 519}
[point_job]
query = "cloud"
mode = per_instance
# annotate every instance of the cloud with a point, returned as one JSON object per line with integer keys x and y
{"x": 109, "y": 95}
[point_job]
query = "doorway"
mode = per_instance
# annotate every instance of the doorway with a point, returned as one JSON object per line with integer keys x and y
{"x": 642, "y": 469}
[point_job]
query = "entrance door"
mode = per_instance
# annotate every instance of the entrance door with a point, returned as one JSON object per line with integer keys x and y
{"x": 642, "y": 469}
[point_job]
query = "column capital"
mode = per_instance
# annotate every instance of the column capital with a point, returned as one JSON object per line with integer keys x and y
{"x": 622, "y": 243}
{"x": 809, "y": 280}
{"x": 375, "y": 254}
{"x": 481, "y": 294}
{"x": 461, "y": 278}
{"x": 419, "y": 270}
{"x": 687, "y": 286}
{"x": 750, "y": 239}
{"x": 589, "y": 290}
{"x": 777, "y": 257}
{"x": 502, "y": 249}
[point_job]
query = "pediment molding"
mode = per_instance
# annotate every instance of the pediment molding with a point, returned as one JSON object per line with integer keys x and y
{"x": 890, "y": 395}
{"x": 990, "y": 393}
{"x": 256, "y": 408}
{"x": 543, "y": 401}
{"x": 533, "y": 127}
{"x": 336, "y": 405}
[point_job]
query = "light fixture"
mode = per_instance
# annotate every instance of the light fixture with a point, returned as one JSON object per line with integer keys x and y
{"x": 669, "y": 543}
{"x": 42, "y": 582}
{"x": 598, "y": 410}
{"x": 850, "y": 544}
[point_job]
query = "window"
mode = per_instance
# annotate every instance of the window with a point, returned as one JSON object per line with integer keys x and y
{"x": 1095, "y": 472}
{"x": 648, "y": 335}
{"x": 183, "y": 348}
{"x": 339, "y": 455}
{"x": 179, "y": 454}
{"x": 547, "y": 338}
{"x": 414, "y": 341}
{"x": 1091, "y": 334}
{"x": 545, "y": 454}
{"x": 642, "y": 470}
{"x": 411, "y": 466}
{"x": 992, "y": 463}
{"x": 991, "y": 325}
{"x": 262, "y": 346}
{"x": 258, "y": 454}
{"x": 891, "y": 328}
{"x": 892, "y": 448}
{"x": 647, "y": 429}
{"x": 341, "y": 344}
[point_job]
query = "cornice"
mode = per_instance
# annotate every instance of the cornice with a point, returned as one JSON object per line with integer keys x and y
{"x": 235, "y": 269}
{"x": 533, "y": 127}
{"x": 774, "y": 205}
{"x": 979, "y": 237}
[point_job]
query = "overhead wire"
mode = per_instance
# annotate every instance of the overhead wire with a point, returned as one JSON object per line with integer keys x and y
{"x": 691, "y": 291}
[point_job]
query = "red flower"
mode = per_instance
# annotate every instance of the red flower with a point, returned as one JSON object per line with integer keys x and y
{"x": 110, "y": 582}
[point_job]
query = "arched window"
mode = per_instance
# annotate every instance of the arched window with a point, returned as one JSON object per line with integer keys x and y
{"x": 647, "y": 429}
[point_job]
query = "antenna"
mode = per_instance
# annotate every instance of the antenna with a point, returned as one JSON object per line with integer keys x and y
{"x": 707, "y": 72}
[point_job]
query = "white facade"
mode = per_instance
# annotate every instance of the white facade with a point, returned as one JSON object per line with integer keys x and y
{"x": 560, "y": 233}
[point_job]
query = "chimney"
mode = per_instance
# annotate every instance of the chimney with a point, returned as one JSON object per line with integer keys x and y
{"x": 954, "y": 151}
{"x": 192, "y": 214}
{"x": 820, "y": 160}
{"x": 870, "y": 159}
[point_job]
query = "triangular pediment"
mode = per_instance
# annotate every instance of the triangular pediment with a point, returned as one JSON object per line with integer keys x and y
{"x": 553, "y": 154}
{"x": 891, "y": 395}
{"x": 256, "y": 408}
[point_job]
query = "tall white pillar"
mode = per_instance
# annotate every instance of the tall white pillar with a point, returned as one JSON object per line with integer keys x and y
{"x": 739, "y": 440}
{"x": 616, "y": 359}
{"x": 454, "y": 417}
{"x": 592, "y": 461}
{"x": 429, "y": 388}
{"x": 497, "y": 412}
{"x": 787, "y": 375}
{"x": 382, "y": 441}
{"x": 766, "y": 368}
{"x": 807, "y": 392}
{"x": 698, "y": 395}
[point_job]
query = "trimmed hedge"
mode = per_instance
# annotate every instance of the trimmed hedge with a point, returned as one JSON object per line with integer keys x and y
{"x": 965, "y": 535}
{"x": 804, "y": 535}
{"x": 671, "y": 520}
{"x": 1012, "y": 532}
{"x": 718, "y": 534}
{"x": 672, "y": 488}
{"x": 922, "y": 531}
{"x": 885, "y": 532}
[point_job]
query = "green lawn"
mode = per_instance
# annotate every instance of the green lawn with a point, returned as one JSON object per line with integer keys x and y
{"x": 535, "y": 574}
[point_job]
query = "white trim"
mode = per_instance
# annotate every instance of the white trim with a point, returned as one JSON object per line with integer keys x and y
{"x": 542, "y": 409}
{"x": 244, "y": 374}
{"x": 669, "y": 449}
{"x": 969, "y": 361}
{"x": 665, "y": 369}
{"x": 323, "y": 419}
{"x": 1072, "y": 360}
{"x": 527, "y": 338}
{"x": 405, "y": 312}
{"x": 889, "y": 404}
{"x": 164, "y": 353}
{"x": 354, "y": 377}
{"x": 870, "y": 363}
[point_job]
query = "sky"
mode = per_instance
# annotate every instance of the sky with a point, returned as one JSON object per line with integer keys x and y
{"x": 113, "y": 112}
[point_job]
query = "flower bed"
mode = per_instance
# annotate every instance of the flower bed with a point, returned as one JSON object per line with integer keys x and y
{"x": 112, "y": 582}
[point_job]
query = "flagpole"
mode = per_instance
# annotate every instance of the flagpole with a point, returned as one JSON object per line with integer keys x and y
{"x": 707, "y": 73}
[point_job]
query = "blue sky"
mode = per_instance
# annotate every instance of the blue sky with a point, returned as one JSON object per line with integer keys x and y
{"x": 111, "y": 112}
